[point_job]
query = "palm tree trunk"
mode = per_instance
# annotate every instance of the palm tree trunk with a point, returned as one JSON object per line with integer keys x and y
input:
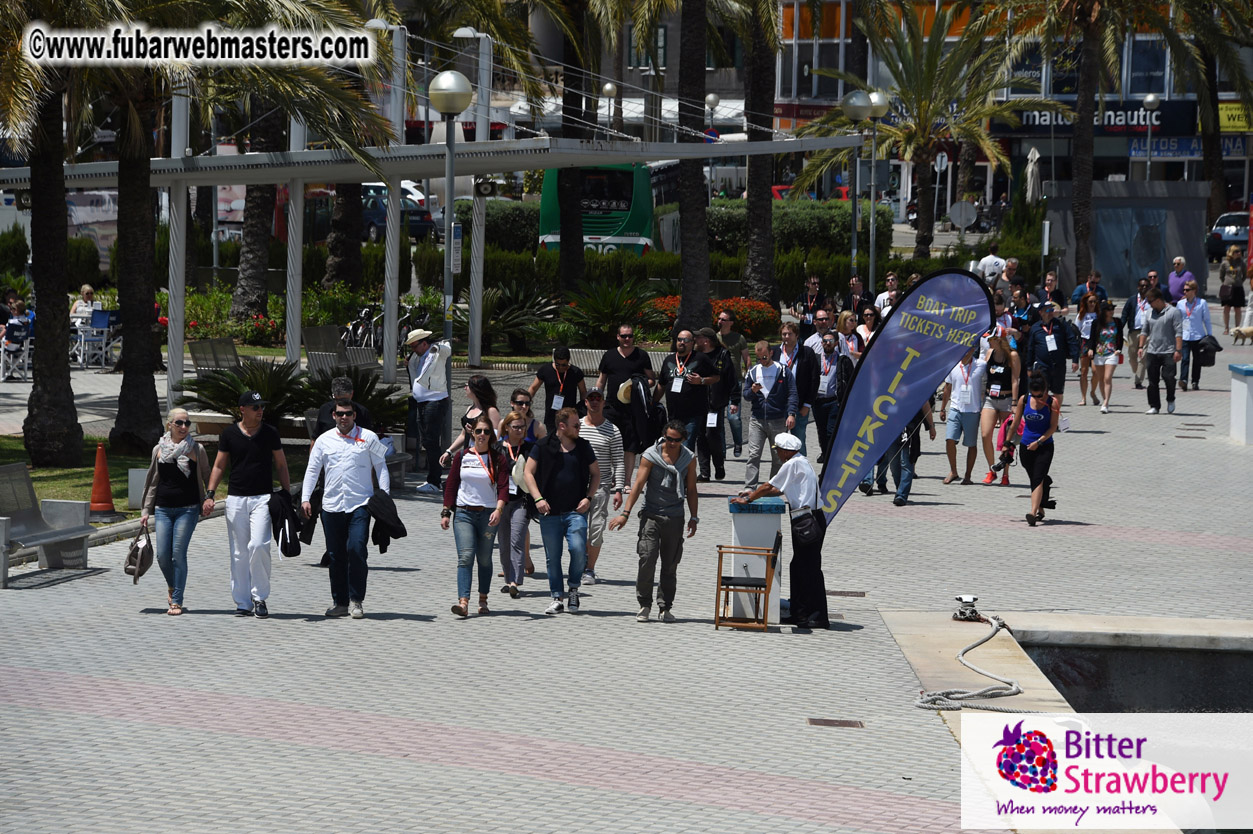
{"x": 138, "y": 423}
{"x": 925, "y": 201}
{"x": 966, "y": 162}
{"x": 1212, "y": 140}
{"x": 759, "y": 66}
{"x": 695, "y": 310}
{"x": 51, "y": 431}
{"x": 1081, "y": 152}
{"x": 619, "y": 71}
{"x": 571, "y": 262}
{"x": 251, "y": 296}
{"x": 343, "y": 241}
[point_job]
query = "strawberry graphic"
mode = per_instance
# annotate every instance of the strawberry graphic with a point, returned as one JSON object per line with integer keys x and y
{"x": 1027, "y": 760}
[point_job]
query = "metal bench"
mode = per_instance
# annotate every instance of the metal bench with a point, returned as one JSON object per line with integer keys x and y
{"x": 588, "y": 361}
{"x": 323, "y": 339}
{"x": 364, "y": 358}
{"x": 58, "y": 528}
{"x": 325, "y": 363}
{"x": 214, "y": 355}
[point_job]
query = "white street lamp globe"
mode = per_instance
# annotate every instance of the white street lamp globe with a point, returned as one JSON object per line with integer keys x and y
{"x": 450, "y": 93}
{"x": 1151, "y": 102}
{"x": 879, "y": 104}
{"x": 711, "y": 101}
{"x": 609, "y": 90}
{"x": 856, "y": 105}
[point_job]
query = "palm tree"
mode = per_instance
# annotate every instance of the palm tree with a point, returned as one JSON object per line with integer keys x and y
{"x": 761, "y": 40}
{"x": 33, "y": 106}
{"x": 939, "y": 90}
{"x": 694, "y": 308}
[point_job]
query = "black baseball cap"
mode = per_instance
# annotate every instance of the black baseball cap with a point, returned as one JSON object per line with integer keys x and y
{"x": 251, "y": 398}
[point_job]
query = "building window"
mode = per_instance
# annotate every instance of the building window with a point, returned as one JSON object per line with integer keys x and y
{"x": 637, "y": 53}
{"x": 733, "y": 56}
{"x": 1030, "y": 67}
{"x": 1148, "y": 66}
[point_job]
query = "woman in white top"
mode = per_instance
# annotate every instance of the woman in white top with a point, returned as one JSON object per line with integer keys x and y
{"x": 84, "y": 305}
{"x": 1088, "y": 309}
{"x": 844, "y": 326}
{"x": 478, "y": 488}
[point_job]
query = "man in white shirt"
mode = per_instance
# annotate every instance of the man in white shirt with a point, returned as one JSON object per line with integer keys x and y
{"x": 428, "y": 402}
{"x": 797, "y": 482}
{"x": 884, "y": 299}
{"x": 992, "y": 265}
{"x": 963, "y": 391}
{"x": 350, "y": 455}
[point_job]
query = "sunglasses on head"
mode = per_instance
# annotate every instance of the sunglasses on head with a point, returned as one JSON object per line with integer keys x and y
{"x": 182, "y": 424}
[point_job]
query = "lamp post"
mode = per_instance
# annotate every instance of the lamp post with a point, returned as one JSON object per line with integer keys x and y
{"x": 609, "y": 91}
{"x": 1151, "y": 102}
{"x": 878, "y": 109}
{"x": 449, "y": 94}
{"x": 393, "y": 237}
{"x": 711, "y": 104}
{"x": 856, "y": 106}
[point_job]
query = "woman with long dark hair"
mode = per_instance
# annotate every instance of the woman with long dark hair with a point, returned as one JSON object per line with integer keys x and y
{"x": 1002, "y": 393}
{"x": 1104, "y": 351}
{"x": 482, "y": 401}
{"x": 515, "y": 519}
{"x": 1087, "y": 313}
{"x": 1038, "y": 413}
{"x": 871, "y": 318}
{"x": 475, "y": 495}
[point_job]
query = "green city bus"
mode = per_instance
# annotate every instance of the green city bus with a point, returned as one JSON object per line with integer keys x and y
{"x": 617, "y": 204}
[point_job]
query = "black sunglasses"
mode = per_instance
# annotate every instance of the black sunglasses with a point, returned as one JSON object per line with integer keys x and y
{"x": 482, "y": 431}
{"x": 670, "y": 439}
{"x": 521, "y": 402}
{"x": 345, "y": 413}
{"x": 182, "y": 424}
{"x": 626, "y": 335}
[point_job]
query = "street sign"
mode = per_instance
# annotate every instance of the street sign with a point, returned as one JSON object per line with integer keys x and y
{"x": 456, "y": 248}
{"x": 711, "y": 136}
{"x": 941, "y": 162}
{"x": 963, "y": 214}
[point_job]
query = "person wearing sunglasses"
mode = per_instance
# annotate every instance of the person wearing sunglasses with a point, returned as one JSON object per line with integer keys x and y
{"x": 521, "y": 401}
{"x": 478, "y": 488}
{"x": 254, "y": 450}
{"x": 667, "y": 479}
{"x": 617, "y": 367}
{"x": 350, "y": 457}
{"x": 175, "y": 492}
{"x": 563, "y": 383}
{"x": 515, "y": 539}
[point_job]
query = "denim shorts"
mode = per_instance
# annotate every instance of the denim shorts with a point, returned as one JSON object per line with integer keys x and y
{"x": 963, "y": 426}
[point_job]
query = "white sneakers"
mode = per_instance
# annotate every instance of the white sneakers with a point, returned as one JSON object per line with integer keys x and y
{"x": 1105, "y": 409}
{"x": 1153, "y": 410}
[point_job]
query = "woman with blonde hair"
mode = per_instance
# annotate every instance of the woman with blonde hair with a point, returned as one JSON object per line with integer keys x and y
{"x": 1232, "y": 273}
{"x": 175, "y": 492}
{"x": 845, "y": 325}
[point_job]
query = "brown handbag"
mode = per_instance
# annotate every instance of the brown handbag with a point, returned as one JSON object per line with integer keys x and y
{"x": 138, "y": 556}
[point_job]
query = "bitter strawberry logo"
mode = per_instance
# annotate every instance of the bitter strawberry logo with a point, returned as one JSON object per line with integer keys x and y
{"x": 1027, "y": 760}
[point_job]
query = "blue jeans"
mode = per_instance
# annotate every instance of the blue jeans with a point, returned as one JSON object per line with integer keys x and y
{"x": 174, "y": 526}
{"x": 902, "y": 465}
{"x": 798, "y": 430}
{"x": 573, "y": 526}
{"x": 1191, "y": 362}
{"x": 737, "y": 426}
{"x": 475, "y": 539}
{"x": 696, "y": 424}
{"x": 878, "y": 472}
{"x": 345, "y": 540}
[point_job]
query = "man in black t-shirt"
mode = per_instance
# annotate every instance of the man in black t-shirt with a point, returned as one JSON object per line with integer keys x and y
{"x": 710, "y": 443}
{"x": 563, "y": 386}
{"x": 683, "y": 380}
{"x": 252, "y": 449}
{"x": 617, "y": 366}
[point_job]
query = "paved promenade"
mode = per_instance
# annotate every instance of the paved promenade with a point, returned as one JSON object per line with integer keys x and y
{"x": 120, "y": 718}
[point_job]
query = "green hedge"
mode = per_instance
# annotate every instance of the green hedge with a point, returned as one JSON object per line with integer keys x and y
{"x": 512, "y": 225}
{"x": 14, "y": 250}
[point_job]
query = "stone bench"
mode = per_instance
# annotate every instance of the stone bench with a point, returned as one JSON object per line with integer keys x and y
{"x": 59, "y": 529}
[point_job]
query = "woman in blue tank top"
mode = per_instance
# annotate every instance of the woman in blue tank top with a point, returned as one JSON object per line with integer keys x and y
{"x": 1038, "y": 413}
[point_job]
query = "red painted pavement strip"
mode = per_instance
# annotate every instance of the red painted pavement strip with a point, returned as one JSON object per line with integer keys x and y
{"x": 510, "y": 753}
{"x": 1094, "y": 525}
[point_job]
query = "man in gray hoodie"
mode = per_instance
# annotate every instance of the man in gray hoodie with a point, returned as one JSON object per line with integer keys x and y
{"x": 1161, "y": 343}
{"x": 667, "y": 478}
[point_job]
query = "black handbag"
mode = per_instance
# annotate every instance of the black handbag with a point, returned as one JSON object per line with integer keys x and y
{"x": 806, "y": 528}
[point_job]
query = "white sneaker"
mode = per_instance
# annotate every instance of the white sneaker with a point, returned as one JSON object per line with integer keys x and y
{"x": 355, "y": 610}
{"x": 1170, "y": 406}
{"x": 1105, "y": 409}
{"x": 1153, "y": 410}
{"x": 645, "y": 612}
{"x": 430, "y": 489}
{"x": 555, "y": 608}
{"x": 589, "y": 577}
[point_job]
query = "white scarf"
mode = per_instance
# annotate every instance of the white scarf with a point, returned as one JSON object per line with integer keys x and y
{"x": 169, "y": 452}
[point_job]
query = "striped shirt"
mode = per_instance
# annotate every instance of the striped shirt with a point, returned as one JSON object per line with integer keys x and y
{"x": 606, "y": 442}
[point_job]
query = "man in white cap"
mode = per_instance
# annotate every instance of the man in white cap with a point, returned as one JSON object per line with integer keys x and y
{"x": 428, "y": 401}
{"x": 798, "y": 483}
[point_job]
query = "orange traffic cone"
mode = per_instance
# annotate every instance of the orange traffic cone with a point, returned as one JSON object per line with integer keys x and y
{"x": 102, "y": 508}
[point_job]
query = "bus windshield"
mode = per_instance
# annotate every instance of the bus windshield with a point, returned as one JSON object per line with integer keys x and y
{"x": 606, "y": 190}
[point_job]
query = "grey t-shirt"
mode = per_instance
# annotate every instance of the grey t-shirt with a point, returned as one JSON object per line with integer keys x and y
{"x": 1161, "y": 329}
{"x": 667, "y": 485}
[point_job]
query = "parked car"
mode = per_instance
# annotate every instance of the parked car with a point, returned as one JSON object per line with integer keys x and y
{"x": 408, "y": 188}
{"x": 1231, "y": 229}
{"x": 374, "y": 218}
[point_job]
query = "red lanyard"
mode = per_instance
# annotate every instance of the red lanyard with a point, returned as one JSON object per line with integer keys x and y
{"x": 561, "y": 380}
{"x": 809, "y": 301}
{"x": 486, "y": 464}
{"x": 786, "y": 359}
{"x": 513, "y": 456}
{"x": 965, "y": 374}
{"x": 1189, "y": 308}
{"x": 680, "y": 368}
{"x": 826, "y": 366}
{"x": 1048, "y": 329}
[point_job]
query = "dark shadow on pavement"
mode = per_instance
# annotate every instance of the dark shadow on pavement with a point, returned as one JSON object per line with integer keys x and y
{"x": 33, "y": 580}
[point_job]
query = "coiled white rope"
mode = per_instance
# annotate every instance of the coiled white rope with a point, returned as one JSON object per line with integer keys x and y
{"x": 962, "y": 698}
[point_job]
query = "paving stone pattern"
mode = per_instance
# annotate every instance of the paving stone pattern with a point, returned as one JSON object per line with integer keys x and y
{"x": 119, "y": 717}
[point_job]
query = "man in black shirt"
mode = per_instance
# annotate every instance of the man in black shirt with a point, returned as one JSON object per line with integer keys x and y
{"x": 252, "y": 448}
{"x": 857, "y": 298}
{"x": 684, "y": 375}
{"x": 563, "y": 385}
{"x": 563, "y": 477}
{"x": 807, "y": 303}
{"x": 341, "y": 388}
{"x": 617, "y": 366}
{"x": 710, "y": 444}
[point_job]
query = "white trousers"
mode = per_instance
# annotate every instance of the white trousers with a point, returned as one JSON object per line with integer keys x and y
{"x": 249, "y": 532}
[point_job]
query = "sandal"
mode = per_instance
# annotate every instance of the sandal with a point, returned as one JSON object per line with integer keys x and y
{"x": 175, "y": 609}
{"x": 462, "y": 608}
{"x": 513, "y": 591}
{"x": 483, "y": 609}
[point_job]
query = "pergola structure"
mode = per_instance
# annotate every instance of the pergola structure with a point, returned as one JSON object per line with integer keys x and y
{"x": 295, "y": 168}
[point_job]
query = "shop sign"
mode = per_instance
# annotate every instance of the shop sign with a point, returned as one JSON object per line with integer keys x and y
{"x": 1182, "y": 147}
{"x": 1119, "y": 118}
{"x": 1232, "y": 118}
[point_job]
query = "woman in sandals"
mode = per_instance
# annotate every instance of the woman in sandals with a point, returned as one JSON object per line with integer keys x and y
{"x": 174, "y": 492}
{"x": 475, "y": 493}
{"x": 516, "y": 517}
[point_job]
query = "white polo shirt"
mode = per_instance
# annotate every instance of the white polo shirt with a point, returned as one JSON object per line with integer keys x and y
{"x": 798, "y": 482}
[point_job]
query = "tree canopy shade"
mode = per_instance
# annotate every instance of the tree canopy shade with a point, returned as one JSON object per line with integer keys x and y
{"x": 940, "y": 90}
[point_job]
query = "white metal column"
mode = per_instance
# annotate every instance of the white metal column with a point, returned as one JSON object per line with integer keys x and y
{"x": 180, "y": 116}
{"x": 294, "y": 308}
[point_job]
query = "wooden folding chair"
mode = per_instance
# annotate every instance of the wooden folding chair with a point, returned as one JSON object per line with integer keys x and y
{"x": 758, "y": 588}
